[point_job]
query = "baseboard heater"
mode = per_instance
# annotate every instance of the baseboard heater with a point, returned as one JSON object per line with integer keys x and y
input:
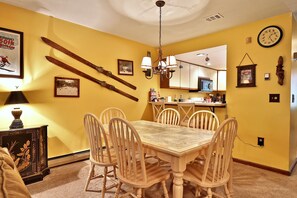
{"x": 68, "y": 158}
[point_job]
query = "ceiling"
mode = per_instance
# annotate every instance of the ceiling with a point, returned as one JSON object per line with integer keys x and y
{"x": 138, "y": 19}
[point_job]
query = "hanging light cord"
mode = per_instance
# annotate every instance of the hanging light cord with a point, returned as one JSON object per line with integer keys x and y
{"x": 160, "y": 37}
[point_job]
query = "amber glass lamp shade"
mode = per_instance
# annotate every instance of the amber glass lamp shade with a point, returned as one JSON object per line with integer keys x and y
{"x": 16, "y": 97}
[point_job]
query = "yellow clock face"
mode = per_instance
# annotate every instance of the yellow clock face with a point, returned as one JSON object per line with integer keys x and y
{"x": 270, "y": 36}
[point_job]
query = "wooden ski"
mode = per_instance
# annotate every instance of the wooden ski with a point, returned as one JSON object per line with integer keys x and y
{"x": 84, "y": 75}
{"x": 86, "y": 62}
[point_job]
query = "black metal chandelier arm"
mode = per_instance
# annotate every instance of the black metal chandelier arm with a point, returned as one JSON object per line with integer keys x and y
{"x": 147, "y": 76}
{"x": 169, "y": 74}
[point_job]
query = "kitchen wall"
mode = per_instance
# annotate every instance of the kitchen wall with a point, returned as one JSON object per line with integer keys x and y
{"x": 256, "y": 116}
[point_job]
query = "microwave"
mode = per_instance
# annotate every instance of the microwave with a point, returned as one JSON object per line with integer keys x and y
{"x": 205, "y": 84}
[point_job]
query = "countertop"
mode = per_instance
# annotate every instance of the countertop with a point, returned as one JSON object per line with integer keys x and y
{"x": 204, "y": 104}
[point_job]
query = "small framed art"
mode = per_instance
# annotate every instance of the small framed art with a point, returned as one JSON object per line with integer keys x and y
{"x": 246, "y": 76}
{"x": 66, "y": 87}
{"x": 125, "y": 67}
{"x": 11, "y": 53}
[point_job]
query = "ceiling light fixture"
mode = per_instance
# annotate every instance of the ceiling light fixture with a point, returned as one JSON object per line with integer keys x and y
{"x": 207, "y": 60}
{"x": 162, "y": 68}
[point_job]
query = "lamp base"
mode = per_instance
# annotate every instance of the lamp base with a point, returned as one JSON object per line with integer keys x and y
{"x": 16, "y": 124}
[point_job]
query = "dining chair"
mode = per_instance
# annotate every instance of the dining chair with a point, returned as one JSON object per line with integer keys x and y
{"x": 204, "y": 119}
{"x": 101, "y": 153}
{"x": 214, "y": 171}
{"x": 169, "y": 116}
{"x": 111, "y": 112}
{"x": 133, "y": 170}
{"x": 157, "y": 108}
{"x": 185, "y": 110}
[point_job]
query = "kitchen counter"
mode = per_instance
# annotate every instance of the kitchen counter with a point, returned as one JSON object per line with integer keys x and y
{"x": 211, "y": 105}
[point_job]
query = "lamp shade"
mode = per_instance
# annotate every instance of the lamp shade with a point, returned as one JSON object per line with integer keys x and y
{"x": 16, "y": 97}
{"x": 146, "y": 62}
{"x": 171, "y": 61}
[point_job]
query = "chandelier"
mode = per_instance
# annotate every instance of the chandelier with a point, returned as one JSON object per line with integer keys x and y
{"x": 163, "y": 68}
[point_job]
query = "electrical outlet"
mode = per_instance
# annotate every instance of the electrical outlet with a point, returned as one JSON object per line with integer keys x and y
{"x": 260, "y": 141}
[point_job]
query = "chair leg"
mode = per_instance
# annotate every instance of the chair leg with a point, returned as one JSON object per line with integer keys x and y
{"x": 209, "y": 193}
{"x": 227, "y": 191}
{"x": 91, "y": 174}
{"x": 104, "y": 182}
{"x": 115, "y": 172}
{"x": 197, "y": 192}
{"x": 139, "y": 193}
{"x": 165, "y": 189}
{"x": 118, "y": 190}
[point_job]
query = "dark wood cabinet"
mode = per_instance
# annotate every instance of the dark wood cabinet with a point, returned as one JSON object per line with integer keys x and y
{"x": 28, "y": 148}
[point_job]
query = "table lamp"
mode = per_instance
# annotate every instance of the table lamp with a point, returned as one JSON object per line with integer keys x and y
{"x": 16, "y": 97}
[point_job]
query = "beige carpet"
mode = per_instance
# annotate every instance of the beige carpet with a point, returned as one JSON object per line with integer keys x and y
{"x": 249, "y": 182}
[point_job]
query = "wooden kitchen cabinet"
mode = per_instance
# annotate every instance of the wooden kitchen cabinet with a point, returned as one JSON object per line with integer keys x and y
{"x": 180, "y": 78}
{"x": 28, "y": 148}
{"x": 194, "y": 73}
{"x": 222, "y": 80}
{"x": 186, "y": 77}
{"x": 174, "y": 82}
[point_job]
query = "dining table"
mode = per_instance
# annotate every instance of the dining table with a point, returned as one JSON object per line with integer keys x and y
{"x": 177, "y": 145}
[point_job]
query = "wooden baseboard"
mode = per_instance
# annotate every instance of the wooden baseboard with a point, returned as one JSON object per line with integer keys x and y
{"x": 288, "y": 173}
{"x": 68, "y": 158}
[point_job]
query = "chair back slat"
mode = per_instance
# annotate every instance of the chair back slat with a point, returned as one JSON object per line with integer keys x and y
{"x": 109, "y": 113}
{"x": 185, "y": 110}
{"x": 219, "y": 152}
{"x": 99, "y": 146}
{"x": 204, "y": 119}
{"x": 169, "y": 116}
{"x": 157, "y": 108}
{"x": 129, "y": 151}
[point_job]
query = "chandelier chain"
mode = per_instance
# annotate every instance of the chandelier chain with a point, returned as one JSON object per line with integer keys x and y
{"x": 160, "y": 35}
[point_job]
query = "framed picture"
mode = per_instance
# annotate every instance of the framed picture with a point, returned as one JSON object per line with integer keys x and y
{"x": 246, "y": 76}
{"x": 125, "y": 67}
{"x": 11, "y": 53}
{"x": 66, "y": 87}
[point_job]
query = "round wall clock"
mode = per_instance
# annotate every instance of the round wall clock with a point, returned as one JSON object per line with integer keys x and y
{"x": 270, "y": 36}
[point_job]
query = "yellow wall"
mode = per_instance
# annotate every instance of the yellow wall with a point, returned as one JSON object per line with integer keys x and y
{"x": 64, "y": 116}
{"x": 256, "y": 116}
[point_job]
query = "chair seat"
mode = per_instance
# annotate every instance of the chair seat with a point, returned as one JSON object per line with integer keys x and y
{"x": 194, "y": 172}
{"x": 155, "y": 174}
{"x": 105, "y": 160}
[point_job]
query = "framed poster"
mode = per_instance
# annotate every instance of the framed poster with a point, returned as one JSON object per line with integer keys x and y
{"x": 11, "y": 53}
{"x": 125, "y": 67}
{"x": 246, "y": 76}
{"x": 66, "y": 87}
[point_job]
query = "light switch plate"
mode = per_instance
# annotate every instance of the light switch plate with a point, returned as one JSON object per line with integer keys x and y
{"x": 267, "y": 76}
{"x": 274, "y": 97}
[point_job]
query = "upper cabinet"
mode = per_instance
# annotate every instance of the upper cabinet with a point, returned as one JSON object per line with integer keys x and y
{"x": 222, "y": 80}
{"x": 186, "y": 77}
{"x": 180, "y": 78}
{"x": 194, "y": 73}
{"x": 175, "y": 80}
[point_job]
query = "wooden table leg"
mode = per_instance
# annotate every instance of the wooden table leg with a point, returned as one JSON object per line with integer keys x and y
{"x": 178, "y": 185}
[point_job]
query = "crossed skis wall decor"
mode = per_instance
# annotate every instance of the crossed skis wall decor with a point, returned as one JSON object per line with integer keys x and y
{"x": 88, "y": 63}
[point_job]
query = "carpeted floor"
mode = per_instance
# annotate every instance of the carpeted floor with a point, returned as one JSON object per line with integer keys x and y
{"x": 249, "y": 182}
